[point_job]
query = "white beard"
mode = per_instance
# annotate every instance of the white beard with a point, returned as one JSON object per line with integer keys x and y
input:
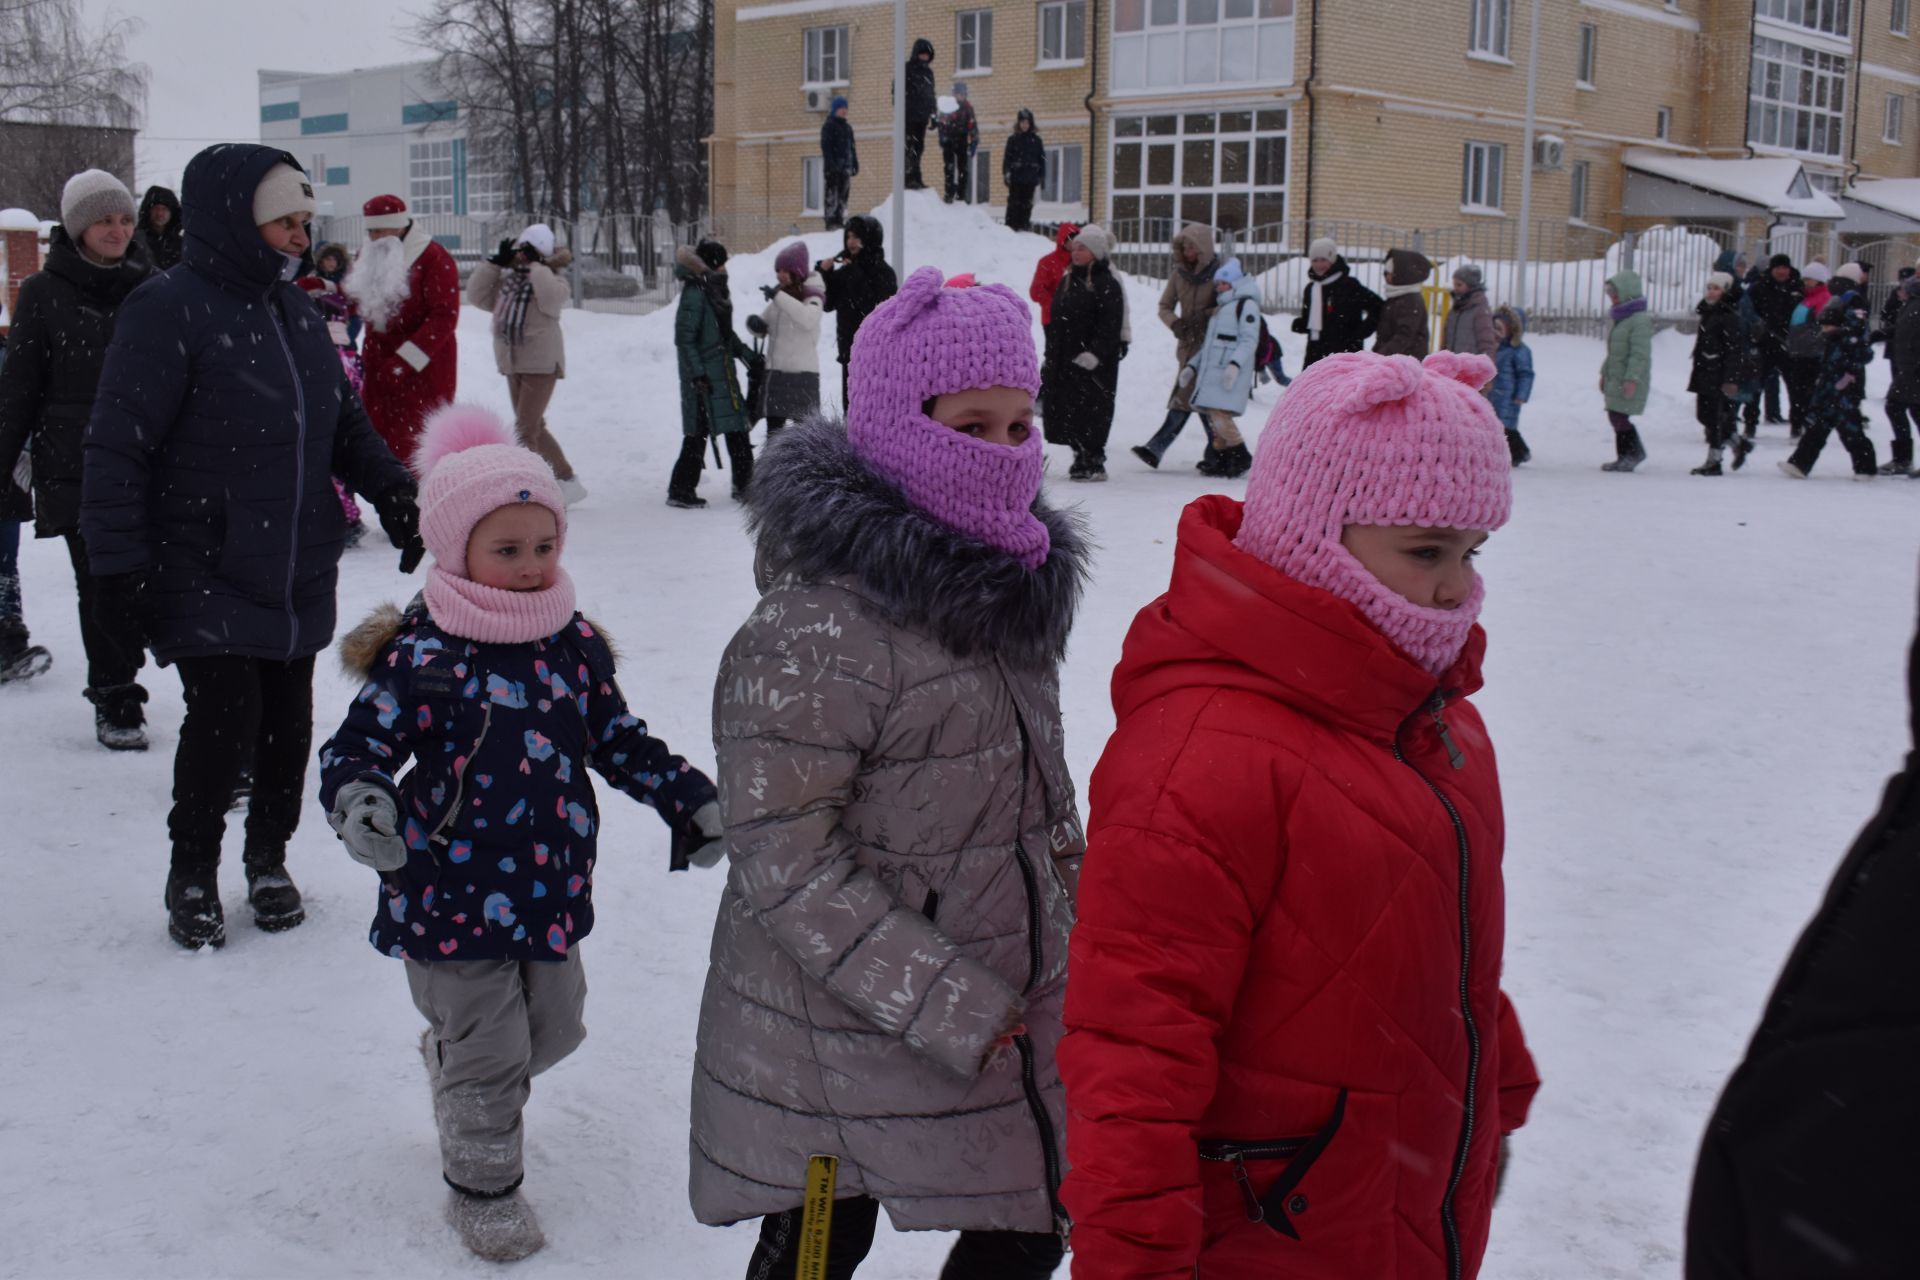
{"x": 378, "y": 281}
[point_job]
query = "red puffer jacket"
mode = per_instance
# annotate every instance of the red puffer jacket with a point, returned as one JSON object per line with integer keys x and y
{"x": 1051, "y": 270}
{"x": 1287, "y": 1050}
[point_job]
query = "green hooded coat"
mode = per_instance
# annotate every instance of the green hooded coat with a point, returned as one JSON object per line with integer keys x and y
{"x": 707, "y": 347}
{"x": 1629, "y": 351}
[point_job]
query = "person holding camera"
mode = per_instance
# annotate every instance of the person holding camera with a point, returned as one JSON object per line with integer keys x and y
{"x": 522, "y": 285}
{"x": 858, "y": 279}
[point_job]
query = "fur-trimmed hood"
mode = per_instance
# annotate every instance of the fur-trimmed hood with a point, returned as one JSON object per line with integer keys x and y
{"x": 360, "y": 648}
{"x": 817, "y": 510}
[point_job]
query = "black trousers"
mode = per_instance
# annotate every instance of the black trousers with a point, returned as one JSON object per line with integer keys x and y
{"x": 239, "y": 708}
{"x": 1801, "y": 376}
{"x": 1853, "y": 437}
{"x": 916, "y": 145}
{"x": 844, "y": 402}
{"x": 1019, "y": 205}
{"x": 1773, "y": 369}
{"x": 834, "y": 199}
{"x": 693, "y": 459}
{"x": 957, "y": 165}
{"x": 1902, "y": 416}
{"x": 977, "y": 1255}
{"x": 115, "y": 647}
{"x": 1718, "y": 417}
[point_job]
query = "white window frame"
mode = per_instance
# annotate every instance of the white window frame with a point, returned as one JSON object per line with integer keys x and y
{"x": 1059, "y": 15}
{"x": 1587, "y": 57}
{"x": 1828, "y": 17}
{"x": 1663, "y": 123}
{"x": 1898, "y": 18}
{"x": 1782, "y": 74}
{"x": 823, "y": 57}
{"x": 1579, "y": 189}
{"x": 1151, "y": 37}
{"x": 1262, "y": 130}
{"x": 813, "y": 186}
{"x": 429, "y": 165}
{"x": 1490, "y": 30}
{"x": 1893, "y": 119}
{"x": 980, "y": 180}
{"x": 1483, "y": 167}
{"x": 318, "y": 174}
{"x": 1064, "y": 159}
{"x": 972, "y": 37}
{"x": 489, "y": 188}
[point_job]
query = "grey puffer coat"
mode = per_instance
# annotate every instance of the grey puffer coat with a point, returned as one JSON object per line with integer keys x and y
{"x": 904, "y": 850}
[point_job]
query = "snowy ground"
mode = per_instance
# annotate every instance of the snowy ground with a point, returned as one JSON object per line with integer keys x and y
{"x": 1695, "y": 685}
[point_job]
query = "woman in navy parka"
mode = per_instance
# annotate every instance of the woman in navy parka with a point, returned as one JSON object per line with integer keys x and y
{"x": 208, "y": 512}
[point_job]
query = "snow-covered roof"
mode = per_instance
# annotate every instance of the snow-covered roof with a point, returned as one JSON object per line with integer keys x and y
{"x": 18, "y": 220}
{"x": 1778, "y": 185}
{"x": 1895, "y": 195}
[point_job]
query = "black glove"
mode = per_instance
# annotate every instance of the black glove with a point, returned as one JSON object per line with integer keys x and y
{"x": 400, "y": 517}
{"x": 768, "y": 290}
{"x": 504, "y": 256}
{"x": 702, "y": 387}
{"x": 756, "y": 326}
{"x": 120, "y": 603}
{"x": 1299, "y": 324}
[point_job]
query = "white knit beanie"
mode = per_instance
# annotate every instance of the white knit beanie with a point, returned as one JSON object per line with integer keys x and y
{"x": 90, "y": 196}
{"x": 1324, "y": 247}
{"x": 538, "y": 237}
{"x": 284, "y": 190}
{"x": 1850, "y": 271}
{"x": 1720, "y": 280}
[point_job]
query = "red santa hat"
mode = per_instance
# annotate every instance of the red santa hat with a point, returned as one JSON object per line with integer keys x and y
{"x": 386, "y": 213}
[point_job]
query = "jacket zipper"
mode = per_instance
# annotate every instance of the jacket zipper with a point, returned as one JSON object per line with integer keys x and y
{"x": 1049, "y": 1149}
{"x": 460, "y": 778}
{"x": 1435, "y": 707}
{"x": 299, "y": 470}
{"x": 1238, "y": 1153}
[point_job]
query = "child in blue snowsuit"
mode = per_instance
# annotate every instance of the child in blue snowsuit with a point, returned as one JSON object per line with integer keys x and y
{"x": 502, "y": 697}
{"x": 1512, "y": 384}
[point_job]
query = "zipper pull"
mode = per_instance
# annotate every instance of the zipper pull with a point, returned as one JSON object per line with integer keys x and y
{"x": 1254, "y": 1212}
{"x": 1455, "y": 757}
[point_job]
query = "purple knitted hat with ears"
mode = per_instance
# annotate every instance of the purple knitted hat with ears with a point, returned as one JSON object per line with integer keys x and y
{"x": 930, "y": 340}
{"x": 1379, "y": 440}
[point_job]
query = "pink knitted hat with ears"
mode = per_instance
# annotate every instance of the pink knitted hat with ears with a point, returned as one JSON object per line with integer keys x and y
{"x": 469, "y": 467}
{"x": 1384, "y": 440}
{"x": 929, "y": 340}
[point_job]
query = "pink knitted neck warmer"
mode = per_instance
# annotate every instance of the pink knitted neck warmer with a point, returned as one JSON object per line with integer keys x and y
{"x": 465, "y": 608}
{"x": 1434, "y": 638}
{"x": 930, "y": 340}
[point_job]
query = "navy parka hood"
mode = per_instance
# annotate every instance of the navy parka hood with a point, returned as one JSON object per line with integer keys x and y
{"x": 222, "y": 238}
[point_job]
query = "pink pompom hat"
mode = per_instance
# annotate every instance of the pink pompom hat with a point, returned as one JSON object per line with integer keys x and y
{"x": 932, "y": 339}
{"x": 469, "y": 466}
{"x": 1379, "y": 440}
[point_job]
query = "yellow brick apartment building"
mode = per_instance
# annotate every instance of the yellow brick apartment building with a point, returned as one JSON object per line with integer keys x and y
{"x": 1754, "y": 115}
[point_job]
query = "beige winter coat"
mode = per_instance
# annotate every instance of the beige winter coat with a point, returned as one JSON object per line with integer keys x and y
{"x": 904, "y": 848}
{"x": 793, "y": 330}
{"x": 1188, "y": 301}
{"x": 542, "y": 348}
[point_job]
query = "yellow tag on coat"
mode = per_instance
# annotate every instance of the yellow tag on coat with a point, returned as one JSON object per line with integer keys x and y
{"x": 816, "y": 1218}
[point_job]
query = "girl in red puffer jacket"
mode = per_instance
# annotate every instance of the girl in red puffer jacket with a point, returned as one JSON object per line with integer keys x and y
{"x": 1287, "y": 1050}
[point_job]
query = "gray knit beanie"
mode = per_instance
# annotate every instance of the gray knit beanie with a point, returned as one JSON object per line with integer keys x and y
{"x": 1096, "y": 239}
{"x": 91, "y": 196}
{"x": 1469, "y": 275}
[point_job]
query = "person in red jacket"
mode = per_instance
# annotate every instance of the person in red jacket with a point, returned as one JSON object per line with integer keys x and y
{"x": 1287, "y": 1050}
{"x": 1052, "y": 269}
{"x": 408, "y": 288}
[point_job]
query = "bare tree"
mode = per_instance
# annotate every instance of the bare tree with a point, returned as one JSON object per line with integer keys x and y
{"x": 54, "y": 71}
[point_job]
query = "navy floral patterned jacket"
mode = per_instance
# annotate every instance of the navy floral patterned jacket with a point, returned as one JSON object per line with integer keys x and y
{"x": 500, "y": 819}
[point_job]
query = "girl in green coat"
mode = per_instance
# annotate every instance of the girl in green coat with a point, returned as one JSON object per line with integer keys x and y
{"x": 1629, "y": 365}
{"x": 711, "y": 402}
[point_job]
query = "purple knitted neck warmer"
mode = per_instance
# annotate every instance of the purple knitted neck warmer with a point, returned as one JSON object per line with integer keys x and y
{"x": 929, "y": 341}
{"x": 1631, "y": 307}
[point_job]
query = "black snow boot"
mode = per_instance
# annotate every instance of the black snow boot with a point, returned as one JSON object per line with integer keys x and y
{"x": 740, "y": 455}
{"x": 1743, "y": 447}
{"x": 194, "y": 918}
{"x": 1631, "y": 453}
{"x": 1147, "y": 456}
{"x": 118, "y": 721}
{"x": 1517, "y": 449}
{"x": 271, "y": 893}
{"x": 682, "y": 490}
{"x": 1228, "y": 463}
{"x": 20, "y": 659}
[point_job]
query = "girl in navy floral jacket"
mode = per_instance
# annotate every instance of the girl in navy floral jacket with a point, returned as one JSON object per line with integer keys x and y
{"x": 502, "y": 697}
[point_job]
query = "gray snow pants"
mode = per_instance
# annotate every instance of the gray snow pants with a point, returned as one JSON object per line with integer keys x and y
{"x": 493, "y": 1025}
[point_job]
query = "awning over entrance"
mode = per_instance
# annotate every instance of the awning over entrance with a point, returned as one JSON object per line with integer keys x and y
{"x": 1663, "y": 185}
{"x": 1887, "y": 206}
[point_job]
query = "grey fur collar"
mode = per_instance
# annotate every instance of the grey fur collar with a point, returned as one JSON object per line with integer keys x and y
{"x": 816, "y": 509}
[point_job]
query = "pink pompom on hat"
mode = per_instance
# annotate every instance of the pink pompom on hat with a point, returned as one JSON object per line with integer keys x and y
{"x": 470, "y": 467}
{"x": 1379, "y": 440}
{"x": 932, "y": 340}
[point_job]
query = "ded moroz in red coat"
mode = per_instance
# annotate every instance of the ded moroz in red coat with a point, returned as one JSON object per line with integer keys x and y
{"x": 1284, "y": 994}
{"x": 412, "y": 360}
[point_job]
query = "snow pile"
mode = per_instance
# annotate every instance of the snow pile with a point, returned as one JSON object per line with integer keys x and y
{"x": 1673, "y": 264}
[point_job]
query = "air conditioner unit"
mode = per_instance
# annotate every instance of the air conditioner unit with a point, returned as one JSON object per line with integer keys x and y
{"x": 1549, "y": 153}
{"x": 818, "y": 99}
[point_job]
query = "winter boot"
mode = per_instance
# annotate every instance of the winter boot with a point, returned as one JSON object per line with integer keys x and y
{"x": 20, "y": 660}
{"x": 194, "y": 918}
{"x": 1147, "y": 456}
{"x": 1792, "y": 470}
{"x": 1209, "y": 464}
{"x": 1078, "y": 471}
{"x": 1517, "y": 448}
{"x": 499, "y": 1228}
{"x": 1229, "y": 463}
{"x": 1743, "y": 447}
{"x": 118, "y": 721}
{"x": 740, "y": 454}
{"x": 1094, "y": 468}
{"x": 682, "y": 485}
{"x": 355, "y": 532}
{"x": 242, "y": 790}
{"x": 1631, "y": 453}
{"x": 271, "y": 893}
{"x": 1711, "y": 467}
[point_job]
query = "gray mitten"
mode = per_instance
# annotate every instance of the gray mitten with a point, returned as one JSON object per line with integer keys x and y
{"x": 368, "y": 822}
{"x": 706, "y": 821}
{"x": 1087, "y": 360}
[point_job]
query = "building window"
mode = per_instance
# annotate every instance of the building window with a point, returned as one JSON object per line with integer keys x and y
{"x": 1799, "y": 98}
{"x": 1577, "y": 177}
{"x": 1165, "y": 44}
{"x": 489, "y": 188}
{"x": 1897, "y": 18}
{"x": 1589, "y": 55}
{"x": 1829, "y": 17}
{"x": 1480, "y": 173}
{"x": 317, "y": 172}
{"x": 980, "y": 189}
{"x": 430, "y": 177}
{"x": 813, "y": 186}
{"x": 1225, "y": 169}
{"x": 1663, "y": 123}
{"x": 1487, "y": 27}
{"x": 826, "y": 55}
{"x": 1896, "y": 111}
{"x": 1063, "y": 33}
{"x": 273, "y": 112}
{"x": 973, "y": 36}
{"x": 429, "y": 112}
{"x": 1062, "y": 183}
{"x": 336, "y": 123}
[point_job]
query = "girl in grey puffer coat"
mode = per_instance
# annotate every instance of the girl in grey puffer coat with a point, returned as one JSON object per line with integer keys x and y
{"x": 889, "y": 961}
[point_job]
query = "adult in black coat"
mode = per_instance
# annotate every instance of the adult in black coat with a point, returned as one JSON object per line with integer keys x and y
{"x": 1084, "y": 349}
{"x": 1774, "y": 294}
{"x": 1724, "y": 369}
{"x": 923, "y": 103}
{"x": 1348, "y": 311}
{"x": 1023, "y": 167}
{"x": 159, "y": 230}
{"x": 840, "y": 159}
{"x": 858, "y": 279}
{"x": 1807, "y": 1169}
{"x": 1903, "y": 353}
{"x": 208, "y": 507}
{"x": 62, "y": 324}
